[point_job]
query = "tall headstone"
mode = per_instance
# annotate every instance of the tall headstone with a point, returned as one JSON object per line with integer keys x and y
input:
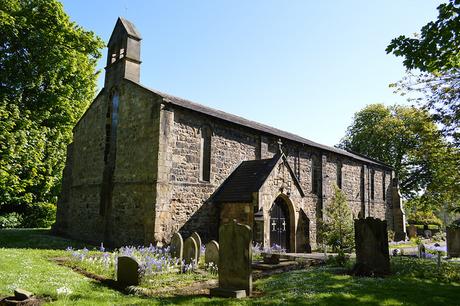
{"x": 198, "y": 242}
{"x": 399, "y": 217}
{"x": 127, "y": 271}
{"x": 235, "y": 259}
{"x": 453, "y": 239}
{"x": 190, "y": 251}
{"x": 372, "y": 252}
{"x": 212, "y": 252}
{"x": 177, "y": 246}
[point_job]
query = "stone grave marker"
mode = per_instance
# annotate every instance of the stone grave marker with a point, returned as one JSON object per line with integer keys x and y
{"x": 412, "y": 231}
{"x": 127, "y": 271}
{"x": 190, "y": 250}
{"x": 372, "y": 253}
{"x": 212, "y": 252}
{"x": 197, "y": 238}
{"x": 235, "y": 259}
{"x": 453, "y": 239}
{"x": 177, "y": 246}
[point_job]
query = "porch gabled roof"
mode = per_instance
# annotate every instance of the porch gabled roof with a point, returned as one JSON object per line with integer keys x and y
{"x": 248, "y": 178}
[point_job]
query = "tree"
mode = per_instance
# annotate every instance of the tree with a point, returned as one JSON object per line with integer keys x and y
{"x": 408, "y": 139}
{"x": 337, "y": 229}
{"x": 47, "y": 80}
{"x": 435, "y": 53}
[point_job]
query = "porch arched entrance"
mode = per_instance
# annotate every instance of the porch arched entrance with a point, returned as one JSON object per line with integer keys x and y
{"x": 280, "y": 226}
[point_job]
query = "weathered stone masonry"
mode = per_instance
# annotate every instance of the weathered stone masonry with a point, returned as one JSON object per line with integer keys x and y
{"x": 157, "y": 187}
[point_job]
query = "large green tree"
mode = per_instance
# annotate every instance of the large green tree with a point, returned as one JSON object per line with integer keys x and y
{"x": 47, "y": 80}
{"x": 408, "y": 139}
{"x": 432, "y": 58}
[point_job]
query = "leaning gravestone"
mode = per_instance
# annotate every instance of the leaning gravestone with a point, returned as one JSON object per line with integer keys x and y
{"x": 372, "y": 253}
{"x": 177, "y": 246}
{"x": 235, "y": 258}
{"x": 453, "y": 239}
{"x": 127, "y": 271}
{"x": 198, "y": 242}
{"x": 212, "y": 252}
{"x": 190, "y": 251}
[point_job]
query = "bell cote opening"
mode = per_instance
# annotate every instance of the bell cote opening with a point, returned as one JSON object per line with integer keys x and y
{"x": 124, "y": 54}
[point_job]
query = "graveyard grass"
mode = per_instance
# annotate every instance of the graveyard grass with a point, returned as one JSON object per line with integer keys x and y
{"x": 26, "y": 261}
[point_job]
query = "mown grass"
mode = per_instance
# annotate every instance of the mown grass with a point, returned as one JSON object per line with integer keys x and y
{"x": 25, "y": 262}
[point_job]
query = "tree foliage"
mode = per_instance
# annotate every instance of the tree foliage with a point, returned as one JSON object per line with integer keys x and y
{"x": 47, "y": 79}
{"x": 435, "y": 53}
{"x": 337, "y": 228}
{"x": 408, "y": 139}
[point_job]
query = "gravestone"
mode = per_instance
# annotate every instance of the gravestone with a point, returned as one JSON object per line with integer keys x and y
{"x": 127, "y": 271}
{"x": 372, "y": 253}
{"x": 190, "y": 251}
{"x": 177, "y": 246}
{"x": 453, "y": 239}
{"x": 198, "y": 242}
{"x": 212, "y": 252}
{"x": 235, "y": 259}
{"x": 412, "y": 231}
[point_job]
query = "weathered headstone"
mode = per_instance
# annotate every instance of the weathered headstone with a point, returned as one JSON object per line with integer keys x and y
{"x": 453, "y": 239}
{"x": 399, "y": 216}
{"x": 212, "y": 252}
{"x": 190, "y": 251}
{"x": 177, "y": 246}
{"x": 197, "y": 238}
{"x": 127, "y": 271}
{"x": 235, "y": 259}
{"x": 412, "y": 231}
{"x": 372, "y": 253}
{"x": 421, "y": 251}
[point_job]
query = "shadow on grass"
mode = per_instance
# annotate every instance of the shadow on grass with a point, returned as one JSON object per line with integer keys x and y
{"x": 36, "y": 239}
{"x": 326, "y": 287}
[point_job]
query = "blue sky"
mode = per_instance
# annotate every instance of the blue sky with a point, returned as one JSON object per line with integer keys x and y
{"x": 301, "y": 66}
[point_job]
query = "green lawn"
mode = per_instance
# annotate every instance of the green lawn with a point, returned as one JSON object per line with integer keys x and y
{"x": 25, "y": 261}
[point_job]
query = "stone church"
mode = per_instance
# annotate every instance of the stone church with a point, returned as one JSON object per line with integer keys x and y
{"x": 144, "y": 164}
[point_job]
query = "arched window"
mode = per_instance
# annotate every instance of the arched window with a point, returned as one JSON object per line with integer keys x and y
{"x": 205, "y": 154}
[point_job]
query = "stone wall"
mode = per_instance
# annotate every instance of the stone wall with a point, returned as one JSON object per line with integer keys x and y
{"x": 86, "y": 168}
{"x": 183, "y": 202}
{"x": 130, "y": 219}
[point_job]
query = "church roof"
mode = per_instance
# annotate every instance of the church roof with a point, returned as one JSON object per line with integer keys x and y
{"x": 258, "y": 126}
{"x": 247, "y": 178}
{"x": 129, "y": 27}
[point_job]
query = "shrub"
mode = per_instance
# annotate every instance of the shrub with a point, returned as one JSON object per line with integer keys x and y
{"x": 10, "y": 220}
{"x": 40, "y": 214}
{"x": 337, "y": 230}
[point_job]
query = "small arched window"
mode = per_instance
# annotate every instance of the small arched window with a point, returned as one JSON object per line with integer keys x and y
{"x": 205, "y": 154}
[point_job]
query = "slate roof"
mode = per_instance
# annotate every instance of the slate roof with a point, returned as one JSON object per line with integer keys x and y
{"x": 258, "y": 126}
{"x": 129, "y": 27}
{"x": 247, "y": 178}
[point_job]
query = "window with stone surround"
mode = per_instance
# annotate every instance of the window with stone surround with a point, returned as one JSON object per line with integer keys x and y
{"x": 384, "y": 191}
{"x": 372, "y": 184}
{"x": 316, "y": 175}
{"x": 205, "y": 153}
{"x": 339, "y": 174}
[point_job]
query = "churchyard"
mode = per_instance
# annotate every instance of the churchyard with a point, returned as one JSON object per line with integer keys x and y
{"x": 61, "y": 272}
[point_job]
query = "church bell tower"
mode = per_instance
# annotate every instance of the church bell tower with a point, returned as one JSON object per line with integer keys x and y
{"x": 124, "y": 56}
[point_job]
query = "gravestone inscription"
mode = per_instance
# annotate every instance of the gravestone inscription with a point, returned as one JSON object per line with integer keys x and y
{"x": 235, "y": 259}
